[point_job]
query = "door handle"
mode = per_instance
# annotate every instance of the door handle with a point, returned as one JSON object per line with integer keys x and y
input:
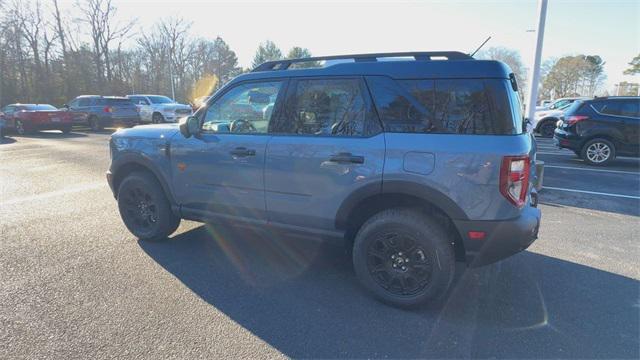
{"x": 242, "y": 152}
{"x": 345, "y": 157}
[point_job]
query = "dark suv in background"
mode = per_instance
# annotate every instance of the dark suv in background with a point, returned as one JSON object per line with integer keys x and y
{"x": 100, "y": 111}
{"x": 600, "y": 129}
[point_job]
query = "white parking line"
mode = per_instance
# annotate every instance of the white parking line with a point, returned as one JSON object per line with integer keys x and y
{"x": 553, "y": 153}
{"x": 597, "y": 170}
{"x": 592, "y": 192}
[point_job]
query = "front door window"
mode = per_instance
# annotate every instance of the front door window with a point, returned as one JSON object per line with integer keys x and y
{"x": 245, "y": 109}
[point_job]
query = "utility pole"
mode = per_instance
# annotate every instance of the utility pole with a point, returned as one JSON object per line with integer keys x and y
{"x": 534, "y": 75}
{"x": 173, "y": 90}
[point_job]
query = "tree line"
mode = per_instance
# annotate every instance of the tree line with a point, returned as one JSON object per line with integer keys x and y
{"x": 49, "y": 56}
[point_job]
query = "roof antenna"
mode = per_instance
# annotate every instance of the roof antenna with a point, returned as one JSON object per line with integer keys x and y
{"x": 480, "y": 47}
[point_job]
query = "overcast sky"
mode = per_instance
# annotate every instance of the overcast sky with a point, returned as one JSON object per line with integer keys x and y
{"x": 610, "y": 29}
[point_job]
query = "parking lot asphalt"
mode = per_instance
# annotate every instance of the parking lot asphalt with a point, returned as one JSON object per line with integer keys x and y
{"x": 76, "y": 284}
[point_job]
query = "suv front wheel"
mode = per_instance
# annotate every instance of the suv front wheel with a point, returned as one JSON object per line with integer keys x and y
{"x": 598, "y": 152}
{"x": 403, "y": 257}
{"x": 144, "y": 207}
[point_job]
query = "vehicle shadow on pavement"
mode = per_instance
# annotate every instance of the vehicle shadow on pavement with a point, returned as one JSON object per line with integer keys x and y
{"x": 302, "y": 298}
{"x": 52, "y": 135}
{"x": 7, "y": 140}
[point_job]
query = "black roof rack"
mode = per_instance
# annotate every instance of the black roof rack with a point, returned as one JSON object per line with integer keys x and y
{"x": 418, "y": 56}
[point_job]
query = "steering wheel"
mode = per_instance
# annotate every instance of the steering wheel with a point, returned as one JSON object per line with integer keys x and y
{"x": 241, "y": 126}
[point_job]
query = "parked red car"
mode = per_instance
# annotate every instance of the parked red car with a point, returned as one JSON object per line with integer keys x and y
{"x": 28, "y": 118}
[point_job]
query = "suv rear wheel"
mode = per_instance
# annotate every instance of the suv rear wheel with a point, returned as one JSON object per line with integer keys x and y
{"x": 598, "y": 152}
{"x": 144, "y": 207}
{"x": 403, "y": 257}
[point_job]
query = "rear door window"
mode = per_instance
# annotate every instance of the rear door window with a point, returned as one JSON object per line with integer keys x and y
{"x": 607, "y": 107}
{"x": 327, "y": 107}
{"x": 630, "y": 108}
{"x": 138, "y": 100}
{"x": 406, "y": 106}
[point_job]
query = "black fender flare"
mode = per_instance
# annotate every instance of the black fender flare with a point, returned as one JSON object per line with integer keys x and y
{"x": 401, "y": 187}
{"x": 129, "y": 158}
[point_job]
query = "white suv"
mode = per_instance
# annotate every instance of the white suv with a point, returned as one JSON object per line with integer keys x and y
{"x": 158, "y": 109}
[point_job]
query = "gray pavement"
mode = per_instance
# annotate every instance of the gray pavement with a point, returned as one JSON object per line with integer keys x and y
{"x": 76, "y": 284}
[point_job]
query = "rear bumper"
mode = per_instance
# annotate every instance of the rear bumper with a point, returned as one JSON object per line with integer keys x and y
{"x": 120, "y": 120}
{"x": 566, "y": 140}
{"x": 502, "y": 238}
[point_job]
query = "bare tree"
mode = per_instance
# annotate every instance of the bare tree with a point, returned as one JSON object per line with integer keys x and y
{"x": 104, "y": 30}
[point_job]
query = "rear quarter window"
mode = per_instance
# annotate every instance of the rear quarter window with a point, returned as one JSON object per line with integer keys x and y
{"x": 455, "y": 106}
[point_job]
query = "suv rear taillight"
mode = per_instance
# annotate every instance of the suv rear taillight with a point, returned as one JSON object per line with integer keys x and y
{"x": 108, "y": 109}
{"x": 514, "y": 179}
{"x": 573, "y": 119}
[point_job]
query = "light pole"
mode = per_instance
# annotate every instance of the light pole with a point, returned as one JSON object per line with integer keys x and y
{"x": 173, "y": 89}
{"x": 535, "y": 69}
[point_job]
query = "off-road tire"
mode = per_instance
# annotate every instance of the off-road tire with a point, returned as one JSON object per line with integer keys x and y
{"x": 142, "y": 187}
{"x": 404, "y": 225}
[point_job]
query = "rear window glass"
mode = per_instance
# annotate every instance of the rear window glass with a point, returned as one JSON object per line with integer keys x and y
{"x": 107, "y": 101}
{"x": 573, "y": 107}
{"x": 460, "y": 106}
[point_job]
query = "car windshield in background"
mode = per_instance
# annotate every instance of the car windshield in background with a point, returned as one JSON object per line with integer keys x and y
{"x": 565, "y": 106}
{"x": 160, "y": 99}
{"x": 40, "y": 107}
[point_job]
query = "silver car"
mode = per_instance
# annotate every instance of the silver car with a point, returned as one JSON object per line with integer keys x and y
{"x": 159, "y": 109}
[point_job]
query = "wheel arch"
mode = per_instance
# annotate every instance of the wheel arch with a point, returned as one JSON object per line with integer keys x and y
{"x": 608, "y": 137}
{"x": 370, "y": 200}
{"x": 130, "y": 162}
{"x": 545, "y": 120}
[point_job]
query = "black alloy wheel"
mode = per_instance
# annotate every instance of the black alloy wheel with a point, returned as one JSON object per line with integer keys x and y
{"x": 140, "y": 208}
{"x": 399, "y": 264}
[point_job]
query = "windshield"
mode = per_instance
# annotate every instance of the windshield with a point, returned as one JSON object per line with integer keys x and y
{"x": 41, "y": 107}
{"x": 160, "y": 99}
{"x": 564, "y": 106}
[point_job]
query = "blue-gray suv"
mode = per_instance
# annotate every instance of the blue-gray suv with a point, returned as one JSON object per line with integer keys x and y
{"x": 416, "y": 160}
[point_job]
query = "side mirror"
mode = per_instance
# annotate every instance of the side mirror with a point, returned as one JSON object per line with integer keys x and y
{"x": 189, "y": 126}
